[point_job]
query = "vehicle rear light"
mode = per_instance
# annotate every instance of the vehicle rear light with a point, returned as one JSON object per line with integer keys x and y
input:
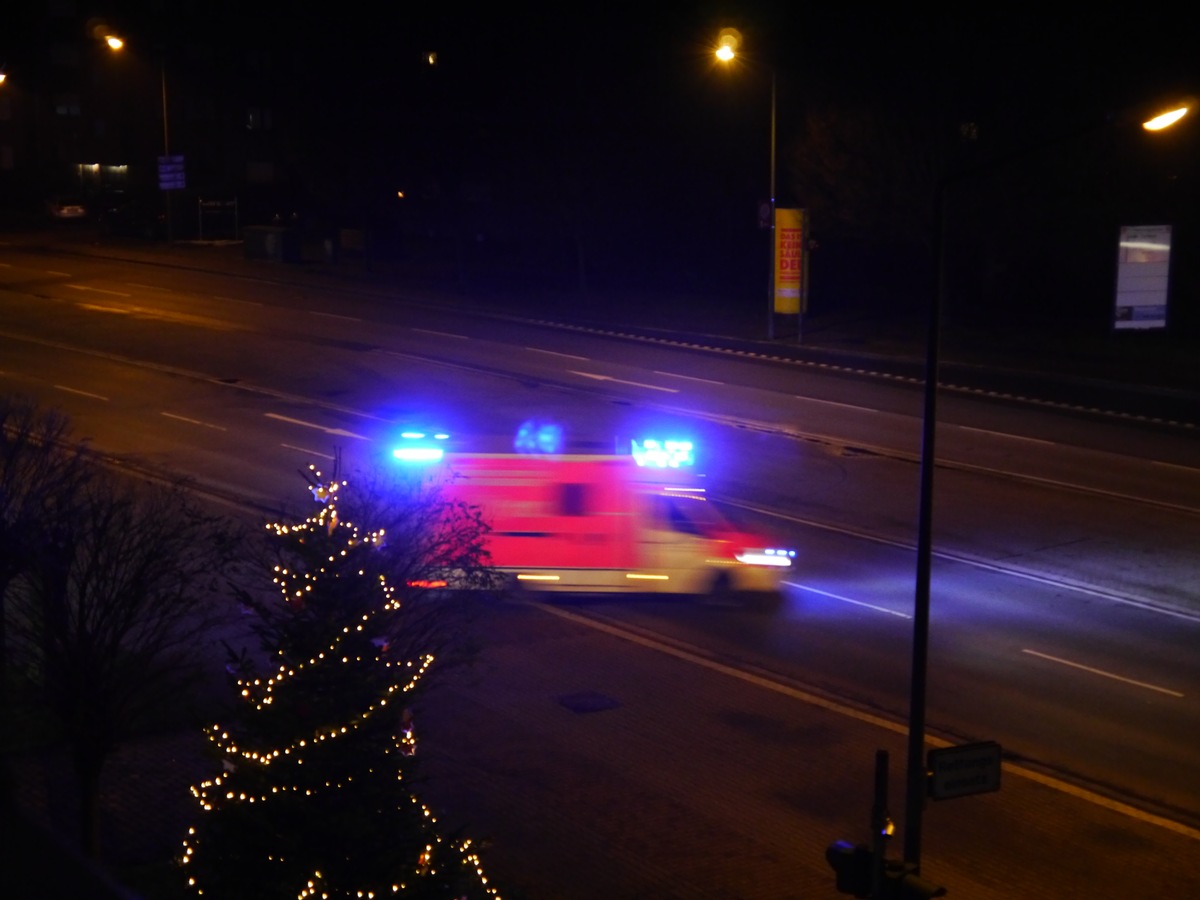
{"x": 427, "y": 583}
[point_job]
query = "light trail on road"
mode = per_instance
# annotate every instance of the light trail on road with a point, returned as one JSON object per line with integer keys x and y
{"x": 852, "y": 602}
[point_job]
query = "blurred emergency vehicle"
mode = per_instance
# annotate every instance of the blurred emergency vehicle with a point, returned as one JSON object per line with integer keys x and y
{"x": 636, "y": 522}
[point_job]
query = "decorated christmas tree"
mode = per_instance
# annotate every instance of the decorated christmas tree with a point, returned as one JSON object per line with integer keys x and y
{"x": 316, "y": 794}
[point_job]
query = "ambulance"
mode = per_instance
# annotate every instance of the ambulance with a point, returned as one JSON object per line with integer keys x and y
{"x": 636, "y": 522}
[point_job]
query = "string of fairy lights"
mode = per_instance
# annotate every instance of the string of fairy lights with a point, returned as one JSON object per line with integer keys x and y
{"x": 285, "y": 672}
{"x": 229, "y": 748}
{"x": 294, "y": 586}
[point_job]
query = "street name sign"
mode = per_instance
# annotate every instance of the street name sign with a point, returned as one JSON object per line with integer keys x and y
{"x": 171, "y": 175}
{"x": 964, "y": 770}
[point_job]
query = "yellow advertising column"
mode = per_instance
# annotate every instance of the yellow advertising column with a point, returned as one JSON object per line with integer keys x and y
{"x": 791, "y": 269}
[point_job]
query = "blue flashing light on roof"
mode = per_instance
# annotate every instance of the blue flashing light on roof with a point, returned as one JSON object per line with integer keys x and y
{"x": 664, "y": 454}
{"x": 538, "y": 436}
{"x": 420, "y": 446}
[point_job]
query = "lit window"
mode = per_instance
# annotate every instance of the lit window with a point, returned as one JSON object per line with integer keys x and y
{"x": 574, "y": 500}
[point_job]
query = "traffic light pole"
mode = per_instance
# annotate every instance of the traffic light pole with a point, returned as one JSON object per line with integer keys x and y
{"x": 881, "y": 825}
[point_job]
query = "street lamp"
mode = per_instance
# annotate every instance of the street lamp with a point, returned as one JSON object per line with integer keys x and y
{"x": 116, "y": 44}
{"x": 917, "y": 774}
{"x": 729, "y": 43}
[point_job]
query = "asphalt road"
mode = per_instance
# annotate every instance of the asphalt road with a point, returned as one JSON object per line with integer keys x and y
{"x": 502, "y": 769}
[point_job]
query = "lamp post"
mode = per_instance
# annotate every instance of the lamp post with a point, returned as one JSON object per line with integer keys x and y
{"x": 729, "y": 42}
{"x": 116, "y": 44}
{"x": 917, "y": 775}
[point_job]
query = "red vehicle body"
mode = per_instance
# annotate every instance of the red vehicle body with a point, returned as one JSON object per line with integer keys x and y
{"x": 592, "y": 523}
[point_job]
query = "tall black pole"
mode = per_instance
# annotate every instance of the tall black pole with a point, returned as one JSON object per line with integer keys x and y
{"x": 162, "y": 71}
{"x": 914, "y": 803}
{"x": 771, "y": 224}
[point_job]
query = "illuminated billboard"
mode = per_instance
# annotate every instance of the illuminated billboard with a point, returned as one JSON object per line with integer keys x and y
{"x": 790, "y": 276}
{"x": 1143, "y": 263}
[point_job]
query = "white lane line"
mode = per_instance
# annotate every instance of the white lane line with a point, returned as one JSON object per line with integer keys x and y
{"x": 882, "y": 609}
{"x": 71, "y": 390}
{"x": 688, "y": 377}
{"x": 1068, "y": 485}
{"x": 1007, "y": 437}
{"x": 556, "y": 353}
{"x": 460, "y": 337}
{"x": 96, "y": 290}
{"x": 1102, "y": 673}
{"x": 195, "y": 422}
{"x": 305, "y": 450}
{"x": 340, "y": 432}
{"x": 1192, "y": 470}
{"x": 834, "y": 403}
{"x": 649, "y": 387}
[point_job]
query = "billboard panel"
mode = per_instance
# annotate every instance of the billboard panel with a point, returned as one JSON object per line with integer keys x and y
{"x": 790, "y": 225}
{"x": 1143, "y": 264}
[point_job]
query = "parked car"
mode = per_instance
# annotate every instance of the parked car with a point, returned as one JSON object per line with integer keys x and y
{"x": 66, "y": 207}
{"x": 132, "y": 216}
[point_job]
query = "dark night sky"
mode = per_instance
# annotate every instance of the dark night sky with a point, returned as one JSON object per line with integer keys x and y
{"x": 638, "y": 80}
{"x": 629, "y": 67}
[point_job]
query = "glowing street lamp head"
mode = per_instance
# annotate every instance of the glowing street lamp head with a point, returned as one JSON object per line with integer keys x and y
{"x": 114, "y": 42}
{"x": 1166, "y": 119}
{"x": 728, "y": 43}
